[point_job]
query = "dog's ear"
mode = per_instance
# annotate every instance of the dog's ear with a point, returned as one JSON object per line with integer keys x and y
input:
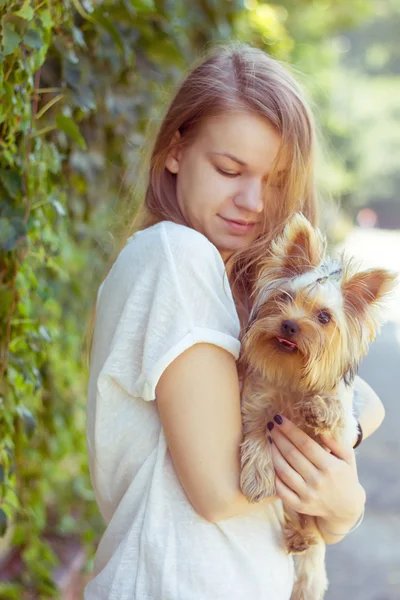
{"x": 300, "y": 248}
{"x": 367, "y": 289}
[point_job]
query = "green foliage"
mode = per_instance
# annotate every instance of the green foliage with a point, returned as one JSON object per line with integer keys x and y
{"x": 368, "y": 102}
{"x": 355, "y": 86}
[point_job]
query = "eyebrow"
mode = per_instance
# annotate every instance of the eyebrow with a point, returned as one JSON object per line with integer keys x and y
{"x": 240, "y": 162}
{"x": 237, "y": 160}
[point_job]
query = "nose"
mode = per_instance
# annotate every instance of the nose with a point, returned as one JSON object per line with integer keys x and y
{"x": 289, "y": 328}
{"x": 251, "y": 198}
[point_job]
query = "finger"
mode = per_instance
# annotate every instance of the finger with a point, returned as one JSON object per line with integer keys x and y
{"x": 287, "y": 496}
{"x": 294, "y": 457}
{"x": 286, "y": 473}
{"x": 307, "y": 446}
{"x": 339, "y": 449}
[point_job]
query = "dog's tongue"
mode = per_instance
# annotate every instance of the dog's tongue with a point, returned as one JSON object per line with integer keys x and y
{"x": 286, "y": 343}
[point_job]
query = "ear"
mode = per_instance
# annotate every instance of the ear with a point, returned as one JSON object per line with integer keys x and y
{"x": 174, "y": 154}
{"x": 367, "y": 288}
{"x": 300, "y": 248}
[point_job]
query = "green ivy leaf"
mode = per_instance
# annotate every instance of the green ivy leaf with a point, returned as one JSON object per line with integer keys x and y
{"x": 11, "y": 232}
{"x": 11, "y": 39}
{"x": 59, "y": 207}
{"x": 85, "y": 98}
{"x": 33, "y": 39}
{"x": 3, "y": 522}
{"x": 12, "y": 181}
{"x": 28, "y": 420}
{"x": 7, "y": 94}
{"x": 69, "y": 127}
{"x": 26, "y": 12}
{"x": 143, "y": 5}
{"x": 5, "y": 294}
{"x": 46, "y": 18}
{"x": 44, "y": 333}
{"x": 78, "y": 37}
{"x": 5, "y": 233}
{"x": 51, "y": 157}
{"x": 99, "y": 17}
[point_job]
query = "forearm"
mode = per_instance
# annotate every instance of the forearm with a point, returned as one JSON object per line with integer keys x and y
{"x": 344, "y": 525}
{"x": 232, "y": 501}
{"x": 368, "y": 407}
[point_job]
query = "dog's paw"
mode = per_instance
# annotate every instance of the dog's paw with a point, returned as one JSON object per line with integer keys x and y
{"x": 297, "y": 541}
{"x": 320, "y": 416}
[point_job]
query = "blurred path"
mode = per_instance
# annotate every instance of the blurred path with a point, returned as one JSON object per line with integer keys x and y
{"x": 366, "y": 565}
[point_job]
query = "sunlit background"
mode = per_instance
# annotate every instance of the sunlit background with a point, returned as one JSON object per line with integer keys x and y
{"x": 83, "y": 86}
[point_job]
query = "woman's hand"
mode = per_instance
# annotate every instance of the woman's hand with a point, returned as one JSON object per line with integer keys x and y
{"x": 313, "y": 481}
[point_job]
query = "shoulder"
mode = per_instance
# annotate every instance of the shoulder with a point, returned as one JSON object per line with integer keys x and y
{"x": 168, "y": 241}
{"x": 172, "y": 234}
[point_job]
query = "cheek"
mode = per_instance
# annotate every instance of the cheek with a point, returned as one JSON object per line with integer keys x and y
{"x": 203, "y": 189}
{"x": 325, "y": 341}
{"x": 219, "y": 190}
{"x": 334, "y": 338}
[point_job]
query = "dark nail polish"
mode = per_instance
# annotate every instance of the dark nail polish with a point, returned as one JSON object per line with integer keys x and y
{"x": 278, "y": 419}
{"x": 270, "y": 439}
{"x": 270, "y": 425}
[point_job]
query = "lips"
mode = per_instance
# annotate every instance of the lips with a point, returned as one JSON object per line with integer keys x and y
{"x": 240, "y": 222}
{"x": 238, "y": 227}
{"x": 286, "y": 345}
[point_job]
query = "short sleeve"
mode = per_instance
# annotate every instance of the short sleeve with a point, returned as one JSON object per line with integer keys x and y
{"x": 175, "y": 293}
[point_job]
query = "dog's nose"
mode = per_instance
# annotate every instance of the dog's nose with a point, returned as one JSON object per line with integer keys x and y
{"x": 289, "y": 328}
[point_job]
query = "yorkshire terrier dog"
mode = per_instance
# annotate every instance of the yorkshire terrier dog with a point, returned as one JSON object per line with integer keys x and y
{"x": 313, "y": 319}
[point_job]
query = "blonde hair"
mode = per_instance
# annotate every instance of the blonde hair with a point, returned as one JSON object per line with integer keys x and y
{"x": 234, "y": 77}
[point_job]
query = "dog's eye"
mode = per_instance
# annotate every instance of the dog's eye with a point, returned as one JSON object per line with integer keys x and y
{"x": 324, "y": 317}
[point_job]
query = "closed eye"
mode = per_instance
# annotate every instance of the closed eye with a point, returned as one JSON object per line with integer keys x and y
{"x": 226, "y": 173}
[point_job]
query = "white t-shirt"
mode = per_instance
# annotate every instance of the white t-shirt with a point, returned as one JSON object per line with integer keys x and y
{"x": 166, "y": 291}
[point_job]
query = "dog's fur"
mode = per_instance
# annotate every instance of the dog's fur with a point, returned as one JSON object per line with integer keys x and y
{"x": 313, "y": 319}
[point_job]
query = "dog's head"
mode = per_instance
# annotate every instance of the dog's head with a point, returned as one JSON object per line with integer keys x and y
{"x": 313, "y": 317}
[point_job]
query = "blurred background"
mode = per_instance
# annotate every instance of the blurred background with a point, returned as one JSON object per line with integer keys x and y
{"x": 83, "y": 86}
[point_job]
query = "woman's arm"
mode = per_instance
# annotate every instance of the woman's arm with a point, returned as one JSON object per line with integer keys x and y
{"x": 369, "y": 409}
{"x": 198, "y": 400}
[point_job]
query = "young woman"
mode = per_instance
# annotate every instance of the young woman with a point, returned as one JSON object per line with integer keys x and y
{"x": 233, "y": 159}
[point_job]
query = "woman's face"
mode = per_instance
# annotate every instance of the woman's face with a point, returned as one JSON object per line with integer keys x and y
{"x": 221, "y": 178}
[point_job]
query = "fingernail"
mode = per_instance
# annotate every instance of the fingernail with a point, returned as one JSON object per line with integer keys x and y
{"x": 270, "y": 439}
{"x": 270, "y": 425}
{"x": 278, "y": 419}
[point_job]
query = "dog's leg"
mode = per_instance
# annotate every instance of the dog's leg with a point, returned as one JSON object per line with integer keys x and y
{"x": 257, "y": 476}
{"x": 312, "y": 581}
{"x": 303, "y": 538}
{"x": 298, "y": 535}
